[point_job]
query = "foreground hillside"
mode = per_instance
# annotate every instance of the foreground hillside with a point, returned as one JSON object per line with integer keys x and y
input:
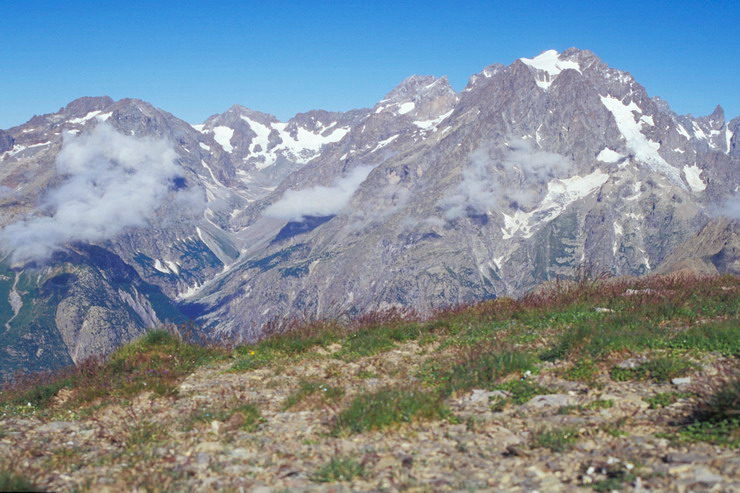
{"x": 616, "y": 384}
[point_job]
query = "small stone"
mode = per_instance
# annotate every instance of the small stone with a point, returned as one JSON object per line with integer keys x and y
{"x": 551, "y": 400}
{"x": 55, "y": 426}
{"x": 241, "y": 453}
{"x": 202, "y": 459}
{"x": 517, "y": 451}
{"x": 638, "y": 483}
{"x": 386, "y": 462}
{"x": 601, "y": 309}
{"x": 681, "y": 381}
{"x": 484, "y": 396}
{"x": 213, "y": 447}
{"x": 679, "y": 469}
{"x": 705, "y": 476}
{"x": 631, "y": 363}
{"x": 216, "y": 426}
{"x": 689, "y": 458}
{"x": 587, "y": 479}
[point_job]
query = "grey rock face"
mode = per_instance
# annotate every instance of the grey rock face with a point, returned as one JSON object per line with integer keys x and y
{"x": 714, "y": 249}
{"x": 6, "y": 141}
{"x": 535, "y": 171}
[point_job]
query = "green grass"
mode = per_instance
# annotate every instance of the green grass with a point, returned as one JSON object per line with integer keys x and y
{"x": 10, "y": 481}
{"x": 249, "y": 419}
{"x": 665, "y": 399}
{"x": 584, "y": 370}
{"x": 723, "y": 404}
{"x": 717, "y": 418}
{"x": 339, "y": 469}
{"x": 599, "y": 404}
{"x": 522, "y": 391}
{"x": 661, "y": 369}
{"x": 617, "y": 477}
{"x": 373, "y": 340}
{"x": 157, "y": 363}
{"x": 484, "y": 370}
{"x": 145, "y": 433}
{"x": 388, "y": 407}
{"x": 641, "y": 322}
{"x": 721, "y": 336}
{"x": 307, "y": 388}
{"x": 725, "y": 432}
{"x": 555, "y": 439}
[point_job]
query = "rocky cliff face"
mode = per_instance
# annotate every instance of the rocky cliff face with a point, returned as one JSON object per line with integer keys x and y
{"x": 535, "y": 170}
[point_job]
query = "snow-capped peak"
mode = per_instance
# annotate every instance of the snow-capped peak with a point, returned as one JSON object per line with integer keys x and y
{"x": 551, "y": 64}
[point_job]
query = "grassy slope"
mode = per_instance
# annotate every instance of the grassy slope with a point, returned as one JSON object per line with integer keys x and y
{"x": 667, "y": 325}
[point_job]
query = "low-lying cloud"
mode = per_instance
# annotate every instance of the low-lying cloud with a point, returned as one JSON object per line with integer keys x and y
{"x": 729, "y": 208}
{"x": 111, "y": 182}
{"x": 319, "y": 200}
{"x": 516, "y": 179}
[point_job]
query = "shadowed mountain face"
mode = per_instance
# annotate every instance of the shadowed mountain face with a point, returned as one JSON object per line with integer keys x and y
{"x": 428, "y": 199}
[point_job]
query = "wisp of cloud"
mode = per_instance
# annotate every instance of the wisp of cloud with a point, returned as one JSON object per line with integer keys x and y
{"x": 318, "y": 200}
{"x": 516, "y": 180}
{"x": 112, "y": 182}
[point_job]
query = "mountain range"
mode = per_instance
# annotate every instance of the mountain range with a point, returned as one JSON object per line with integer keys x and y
{"x": 117, "y": 216}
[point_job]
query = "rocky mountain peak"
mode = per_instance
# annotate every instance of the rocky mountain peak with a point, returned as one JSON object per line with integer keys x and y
{"x": 418, "y": 86}
{"x": 483, "y": 75}
{"x": 423, "y": 97}
{"x": 716, "y": 118}
{"x": 83, "y": 106}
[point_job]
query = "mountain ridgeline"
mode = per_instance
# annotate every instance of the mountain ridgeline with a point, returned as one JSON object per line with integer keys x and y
{"x": 118, "y": 216}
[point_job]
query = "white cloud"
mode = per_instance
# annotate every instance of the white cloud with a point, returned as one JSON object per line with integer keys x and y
{"x": 319, "y": 200}
{"x": 730, "y": 207}
{"x": 516, "y": 179}
{"x": 111, "y": 182}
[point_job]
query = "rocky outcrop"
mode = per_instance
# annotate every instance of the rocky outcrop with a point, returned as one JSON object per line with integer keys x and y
{"x": 715, "y": 249}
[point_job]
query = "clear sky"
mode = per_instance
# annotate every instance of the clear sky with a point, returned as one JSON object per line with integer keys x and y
{"x": 195, "y": 59}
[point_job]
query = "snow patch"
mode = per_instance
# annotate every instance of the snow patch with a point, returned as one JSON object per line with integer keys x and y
{"x": 406, "y": 107}
{"x": 550, "y": 65}
{"x": 608, "y": 156}
{"x": 682, "y": 131}
{"x": 698, "y": 131}
{"x": 301, "y": 149}
{"x": 189, "y": 292}
{"x": 560, "y": 194}
{"x": 223, "y": 136}
{"x": 161, "y": 268}
{"x": 647, "y": 119}
{"x": 385, "y": 142}
{"x": 646, "y": 151}
{"x": 728, "y": 138}
{"x": 204, "y": 146}
{"x": 693, "y": 178}
{"x": 174, "y": 268}
{"x": 85, "y": 118}
{"x": 430, "y": 124}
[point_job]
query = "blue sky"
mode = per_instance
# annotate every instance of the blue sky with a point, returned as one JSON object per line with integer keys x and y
{"x": 195, "y": 59}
